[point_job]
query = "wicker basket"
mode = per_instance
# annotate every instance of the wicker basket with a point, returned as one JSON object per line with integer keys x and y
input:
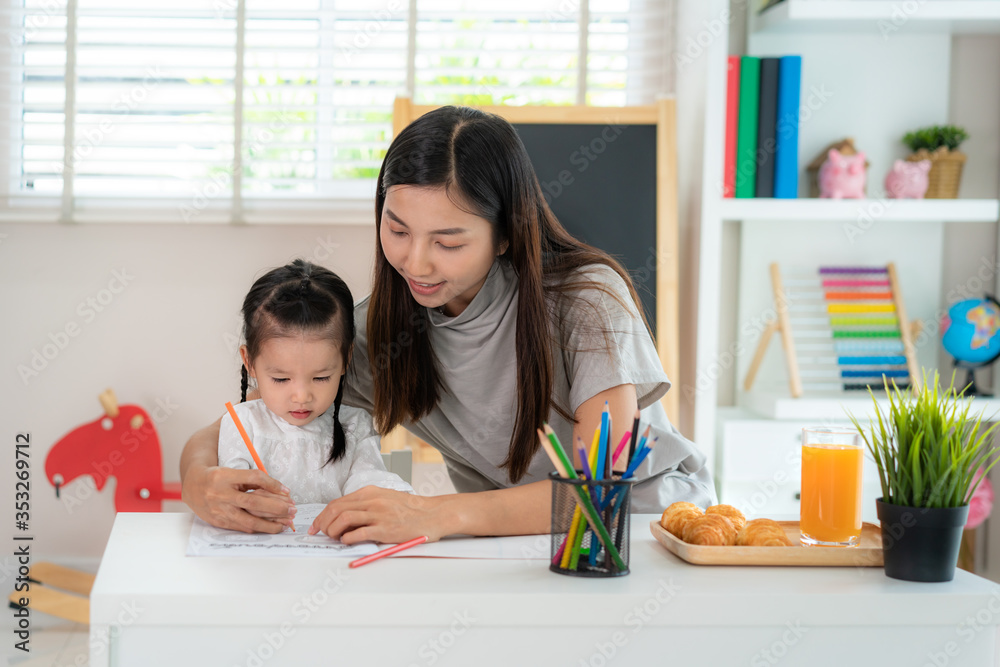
{"x": 946, "y": 171}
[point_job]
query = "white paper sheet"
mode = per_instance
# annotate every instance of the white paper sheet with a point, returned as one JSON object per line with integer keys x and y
{"x": 207, "y": 540}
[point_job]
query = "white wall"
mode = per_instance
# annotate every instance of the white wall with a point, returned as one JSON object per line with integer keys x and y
{"x": 166, "y": 338}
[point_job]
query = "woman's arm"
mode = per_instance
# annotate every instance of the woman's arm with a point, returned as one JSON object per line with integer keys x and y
{"x": 622, "y": 403}
{"x": 387, "y": 516}
{"x": 392, "y": 517}
{"x": 220, "y": 495}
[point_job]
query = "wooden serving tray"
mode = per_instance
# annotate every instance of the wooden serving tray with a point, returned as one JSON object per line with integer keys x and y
{"x": 866, "y": 554}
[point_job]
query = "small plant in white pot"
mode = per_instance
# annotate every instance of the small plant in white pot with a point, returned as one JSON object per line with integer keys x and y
{"x": 928, "y": 447}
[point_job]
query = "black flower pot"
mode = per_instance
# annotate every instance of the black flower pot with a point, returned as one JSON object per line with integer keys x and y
{"x": 921, "y": 543}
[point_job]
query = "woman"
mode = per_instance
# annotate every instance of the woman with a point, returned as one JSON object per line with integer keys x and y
{"x": 486, "y": 319}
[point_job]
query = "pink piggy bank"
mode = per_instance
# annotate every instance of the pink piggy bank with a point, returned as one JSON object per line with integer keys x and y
{"x": 842, "y": 176}
{"x": 907, "y": 180}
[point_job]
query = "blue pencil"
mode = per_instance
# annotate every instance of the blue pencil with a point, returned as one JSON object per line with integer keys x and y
{"x": 599, "y": 468}
{"x": 637, "y": 460}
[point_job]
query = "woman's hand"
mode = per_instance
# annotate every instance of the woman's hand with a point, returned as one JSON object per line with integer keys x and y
{"x": 380, "y": 515}
{"x": 220, "y": 497}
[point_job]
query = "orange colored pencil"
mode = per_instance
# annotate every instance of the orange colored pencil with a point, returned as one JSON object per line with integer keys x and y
{"x": 246, "y": 439}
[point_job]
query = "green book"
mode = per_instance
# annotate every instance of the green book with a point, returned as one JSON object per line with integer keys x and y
{"x": 746, "y": 134}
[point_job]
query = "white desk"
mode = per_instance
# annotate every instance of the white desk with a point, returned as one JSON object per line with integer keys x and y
{"x": 153, "y": 606}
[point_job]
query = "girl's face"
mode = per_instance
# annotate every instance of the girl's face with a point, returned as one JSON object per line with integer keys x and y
{"x": 442, "y": 252}
{"x": 297, "y": 377}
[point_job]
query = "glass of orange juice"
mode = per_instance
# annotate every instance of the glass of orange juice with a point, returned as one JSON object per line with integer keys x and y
{"x": 830, "y": 513}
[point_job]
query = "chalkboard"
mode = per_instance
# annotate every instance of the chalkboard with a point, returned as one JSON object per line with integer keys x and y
{"x": 600, "y": 181}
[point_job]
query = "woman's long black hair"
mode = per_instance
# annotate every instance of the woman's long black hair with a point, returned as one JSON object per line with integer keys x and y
{"x": 297, "y": 298}
{"x": 479, "y": 160}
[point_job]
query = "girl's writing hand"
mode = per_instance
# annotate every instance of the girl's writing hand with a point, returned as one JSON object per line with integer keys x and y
{"x": 380, "y": 515}
{"x": 219, "y": 496}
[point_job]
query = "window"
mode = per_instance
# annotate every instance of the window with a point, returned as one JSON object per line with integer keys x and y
{"x": 278, "y": 110}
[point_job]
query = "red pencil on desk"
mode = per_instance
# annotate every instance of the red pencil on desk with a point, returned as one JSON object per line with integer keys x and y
{"x": 364, "y": 560}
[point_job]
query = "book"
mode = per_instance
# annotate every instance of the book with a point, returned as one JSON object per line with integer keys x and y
{"x": 767, "y": 113}
{"x": 786, "y": 157}
{"x": 746, "y": 135}
{"x": 732, "y": 118}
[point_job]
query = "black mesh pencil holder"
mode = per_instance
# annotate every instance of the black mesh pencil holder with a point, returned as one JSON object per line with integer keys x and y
{"x": 577, "y": 548}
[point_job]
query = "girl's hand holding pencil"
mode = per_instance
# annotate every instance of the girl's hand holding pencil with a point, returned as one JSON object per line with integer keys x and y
{"x": 256, "y": 458}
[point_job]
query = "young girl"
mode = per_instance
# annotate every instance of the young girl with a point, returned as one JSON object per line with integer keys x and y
{"x": 298, "y": 322}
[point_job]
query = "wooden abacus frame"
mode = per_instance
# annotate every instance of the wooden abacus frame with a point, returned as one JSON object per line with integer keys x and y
{"x": 782, "y": 324}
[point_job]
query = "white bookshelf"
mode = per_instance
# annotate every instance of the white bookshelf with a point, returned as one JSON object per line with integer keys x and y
{"x": 882, "y": 85}
{"x": 908, "y": 210}
{"x": 777, "y": 404}
{"x": 858, "y": 16}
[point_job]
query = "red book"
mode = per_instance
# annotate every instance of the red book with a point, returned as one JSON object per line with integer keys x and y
{"x": 732, "y": 117}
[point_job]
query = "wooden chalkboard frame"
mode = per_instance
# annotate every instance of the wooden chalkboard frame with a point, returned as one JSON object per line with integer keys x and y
{"x": 662, "y": 114}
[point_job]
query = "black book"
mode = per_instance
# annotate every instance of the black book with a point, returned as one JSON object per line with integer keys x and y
{"x": 767, "y": 123}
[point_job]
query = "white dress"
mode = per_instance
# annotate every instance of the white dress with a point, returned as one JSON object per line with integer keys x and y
{"x": 295, "y": 455}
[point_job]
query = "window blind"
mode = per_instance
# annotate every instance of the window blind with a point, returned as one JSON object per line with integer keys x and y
{"x": 217, "y": 111}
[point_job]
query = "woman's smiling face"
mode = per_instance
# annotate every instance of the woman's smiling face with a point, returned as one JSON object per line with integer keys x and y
{"x": 443, "y": 252}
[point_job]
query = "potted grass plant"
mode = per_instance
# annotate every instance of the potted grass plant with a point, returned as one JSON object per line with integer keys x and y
{"x": 939, "y": 144}
{"x": 928, "y": 447}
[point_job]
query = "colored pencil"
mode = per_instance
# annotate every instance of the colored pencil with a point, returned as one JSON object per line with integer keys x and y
{"x": 621, "y": 447}
{"x": 558, "y": 456}
{"x": 599, "y": 470}
{"x": 574, "y": 550}
{"x": 642, "y": 443}
{"x": 563, "y": 554}
{"x": 608, "y": 454}
{"x": 246, "y": 439}
{"x": 635, "y": 435}
{"x": 589, "y": 511}
{"x": 640, "y": 456}
{"x": 396, "y": 548}
{"x": 595, "y": 449}
{"x": 608, "y": 474}
{"x": 574, "y": 562}
{"x": 566, "y": 550}
{"x": 585, "y": 465}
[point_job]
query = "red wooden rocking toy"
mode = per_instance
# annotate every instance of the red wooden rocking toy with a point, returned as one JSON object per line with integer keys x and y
{"x": 123, "y": 444}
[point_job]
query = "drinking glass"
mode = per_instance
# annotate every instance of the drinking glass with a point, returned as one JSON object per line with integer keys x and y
{"x": 830, "y": 513}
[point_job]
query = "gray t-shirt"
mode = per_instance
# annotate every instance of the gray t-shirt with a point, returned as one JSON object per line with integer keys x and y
{"x": 474, "y": 419}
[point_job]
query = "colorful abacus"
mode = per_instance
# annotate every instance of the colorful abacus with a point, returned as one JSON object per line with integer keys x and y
{"x": 849, "y": 325}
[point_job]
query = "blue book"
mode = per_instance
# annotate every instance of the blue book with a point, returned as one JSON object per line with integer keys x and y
{"x": 786, "y": 157}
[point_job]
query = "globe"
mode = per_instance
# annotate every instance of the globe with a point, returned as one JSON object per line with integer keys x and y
{"x": 971, "y": 334}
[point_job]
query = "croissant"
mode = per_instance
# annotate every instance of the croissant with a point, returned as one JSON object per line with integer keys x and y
{"x": 730, "y": 513}
{"x": 677, "y": 516}
{"x": 710, "y": 530}
{"x": 763, "y": 533}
